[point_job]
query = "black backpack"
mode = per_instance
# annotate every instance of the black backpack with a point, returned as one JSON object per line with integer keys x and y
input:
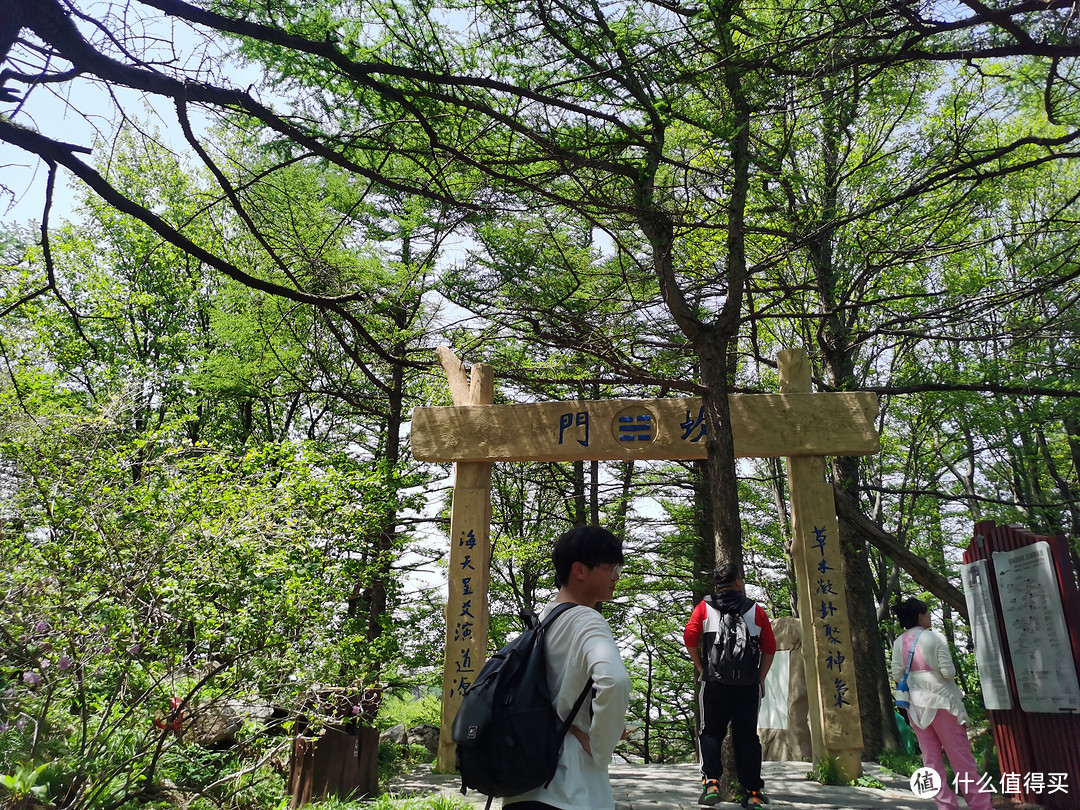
{"x": 507, "y": 731}
{"x": 735, "y": 654}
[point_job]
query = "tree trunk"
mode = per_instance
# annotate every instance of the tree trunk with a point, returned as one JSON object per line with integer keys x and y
{"x": 876, "y": 707}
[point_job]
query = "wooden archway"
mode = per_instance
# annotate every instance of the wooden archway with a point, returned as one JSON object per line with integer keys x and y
{"x": 796, "y": 424}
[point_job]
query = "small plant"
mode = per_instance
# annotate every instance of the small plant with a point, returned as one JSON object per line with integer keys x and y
{"x": 389, "y": 801}
{"x": 23, "y": 784}
{"x": 827, "y": 771}
{"x": 406, "y": 710}
{"x": 395, "y": 759}
{"x": 868, "y": 782}
{"x": 985, "y": 752}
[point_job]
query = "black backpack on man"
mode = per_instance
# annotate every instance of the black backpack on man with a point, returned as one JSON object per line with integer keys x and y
{"x": 507, "y": 731}
{"x": 734, "y": 656}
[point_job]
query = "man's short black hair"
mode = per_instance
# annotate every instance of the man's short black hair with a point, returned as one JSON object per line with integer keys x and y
{"x": 591, "y": 545}
{"x": 727, "y": 574}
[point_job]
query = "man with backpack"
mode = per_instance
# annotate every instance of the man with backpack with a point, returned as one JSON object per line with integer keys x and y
{"x": 580, "y": 647}
{"x": 731, "y": 643}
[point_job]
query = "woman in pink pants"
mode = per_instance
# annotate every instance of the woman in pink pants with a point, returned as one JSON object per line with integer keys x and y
{"x": 937, "y": 712}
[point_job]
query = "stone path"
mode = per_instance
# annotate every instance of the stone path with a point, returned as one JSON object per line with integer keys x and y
{"x": 677, "y": 787}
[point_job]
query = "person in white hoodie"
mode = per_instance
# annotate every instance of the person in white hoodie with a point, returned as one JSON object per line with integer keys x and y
{"x": 580, "y": 647}
{"x": 936, "y": 714}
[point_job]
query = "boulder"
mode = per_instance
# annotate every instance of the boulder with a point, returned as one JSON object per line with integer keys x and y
{"x": 426, "y": 735}
{"x": 395, "y": 735}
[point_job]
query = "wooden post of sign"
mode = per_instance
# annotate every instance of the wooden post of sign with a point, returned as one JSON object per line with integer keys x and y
{"x": 470, "y": 559}
{"x": 835, "y": 725}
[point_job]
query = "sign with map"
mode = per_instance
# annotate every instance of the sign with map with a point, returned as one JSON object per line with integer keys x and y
{"x": 1035, "y": 627}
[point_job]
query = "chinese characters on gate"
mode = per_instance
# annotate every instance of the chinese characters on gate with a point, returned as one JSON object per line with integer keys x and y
{"x": 463, "y": 623}
{"x": 823, "y": 593}
{"x": 633, "y": 426}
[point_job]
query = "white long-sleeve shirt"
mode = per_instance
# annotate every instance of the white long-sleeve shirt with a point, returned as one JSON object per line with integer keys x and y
{"x": 580, "y": 646}
{"x": 931, "y": 681}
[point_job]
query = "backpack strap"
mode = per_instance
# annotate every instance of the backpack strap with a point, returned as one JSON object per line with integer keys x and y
{"x": 556, "y": 612}
{"x": 569, "y": 721}
{"x": 911, "y": 653}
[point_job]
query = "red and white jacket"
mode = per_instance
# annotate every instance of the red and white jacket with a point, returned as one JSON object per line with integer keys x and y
{"x": 705, "y": 620}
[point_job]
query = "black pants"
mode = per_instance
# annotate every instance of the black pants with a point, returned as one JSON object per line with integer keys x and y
{"x": 736, "y": 706}
{"x": 529, "y": 806}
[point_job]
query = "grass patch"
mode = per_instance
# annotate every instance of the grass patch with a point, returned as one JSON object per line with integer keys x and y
{"x": 827, "y": 771}
{"x": 868, "y": 782}
{"x": 900, "y": 762}
{"x": 389, "y": 801}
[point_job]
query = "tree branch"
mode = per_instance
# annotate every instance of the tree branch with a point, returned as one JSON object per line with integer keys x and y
{"x": 847, "y": 509}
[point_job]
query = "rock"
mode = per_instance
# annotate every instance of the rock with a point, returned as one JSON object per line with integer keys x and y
{"x": 395, "y": 735}
{"x": 426, "y": 735}
{"x": 216, "y": 725}
{"x": 792, "y": 743}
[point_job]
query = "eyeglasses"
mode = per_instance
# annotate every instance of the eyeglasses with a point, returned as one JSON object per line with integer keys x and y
{"x": 616, "y": 568}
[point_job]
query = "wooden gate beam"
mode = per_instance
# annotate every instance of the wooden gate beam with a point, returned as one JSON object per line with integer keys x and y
{"x": 763, "y": 426}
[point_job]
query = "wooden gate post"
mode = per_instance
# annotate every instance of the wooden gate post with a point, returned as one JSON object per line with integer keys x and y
{"x": 835, "y": 725}
{"x": 470, "y": 560}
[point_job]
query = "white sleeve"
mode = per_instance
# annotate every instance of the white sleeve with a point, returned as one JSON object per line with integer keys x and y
{"x": 942, "y": 658}
{"x": 586, "y": 649}
{"x": 897, "y": 665}
{"x": 611, "y": 690}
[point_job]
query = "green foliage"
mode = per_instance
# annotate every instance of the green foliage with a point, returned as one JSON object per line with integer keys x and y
{"x": 23, "y": 783}
{"x": 827, "y": 771}
{"x": 985, "y": 751}
{"x": 212, "y": 578}
{"x": 207, "y": 486}
{"x": 392, "y": 802}
{"x": 867, "y": 781}
{"x": 399, "y": 707}
{"x": 168, "y": 560}
{"x": 900, "y": 762}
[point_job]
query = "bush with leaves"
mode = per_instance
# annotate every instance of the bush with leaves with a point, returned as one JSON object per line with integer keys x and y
{"x": 144, "y": 610}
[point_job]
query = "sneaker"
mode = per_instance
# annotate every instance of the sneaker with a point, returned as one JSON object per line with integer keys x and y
{"x": 710, "y": 792}
{"x": 755, "y": 799}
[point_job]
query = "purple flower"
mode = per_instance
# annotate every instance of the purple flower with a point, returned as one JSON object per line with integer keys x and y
{"x": 20, "y": 724}
{"x": 64, "y": 663}
{"x": 42, "y": 627}
{"x": 31, "y": 677}
{"x": 356, "y": 710}
{"x": 134, "y": 649}
{"x": 4, "y": 728}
